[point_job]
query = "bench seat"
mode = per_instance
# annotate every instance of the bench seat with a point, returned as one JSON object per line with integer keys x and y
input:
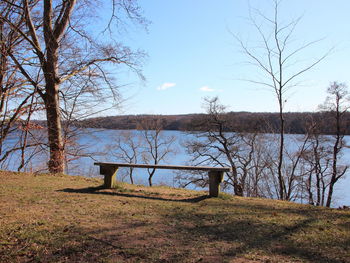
{"x": 216, "y": 174}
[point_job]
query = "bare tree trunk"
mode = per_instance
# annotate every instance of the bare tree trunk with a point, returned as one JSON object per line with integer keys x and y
{"x": 323, "y": 192}
{"x": 3, "y": 62}
{"x": 281, "y": 147}
{"x": 309, "y": 189}
{"x": 53, "y": 115}
{"x": 317, "y": 168}
{"x": 56, "y": 163}
{"x": 318, "y": 186}
{"x": 50, "y": 68}
{"x": 150, "y": 176}
{"x": 130, "y": 175}
{"x": 334, "y": 166}
{"x": 237, "y": 187}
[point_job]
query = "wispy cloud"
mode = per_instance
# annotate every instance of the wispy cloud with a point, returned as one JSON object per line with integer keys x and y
{"x": 166, "y": 85}
{"x": 206, "y": 89}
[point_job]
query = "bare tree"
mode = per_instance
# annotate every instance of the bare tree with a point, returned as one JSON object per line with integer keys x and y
{"x": 57, "y": 48}
{"x": 216, "y": 144}
{"x": 251, "y": 156}
{"x": 337, "y": 104}
{"x": 323, "y": 160}
{"x": 255, "y": 164}
{"x": 277, "y": 59}
{"x": 17, "y": 101}
{"x": 318, "y": 163}
{"x": 74, "y": 107}
{"x": 157, "y": 146}
{"x": 127, "y": 148}
{"x": 294, "y": 169}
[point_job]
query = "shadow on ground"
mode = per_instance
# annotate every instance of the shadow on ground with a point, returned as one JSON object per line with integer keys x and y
{"x": 97, "y": 190}
{"x": 218, "y": 231}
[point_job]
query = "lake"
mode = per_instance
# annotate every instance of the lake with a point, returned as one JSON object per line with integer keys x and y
{"x": 98, "y": 144}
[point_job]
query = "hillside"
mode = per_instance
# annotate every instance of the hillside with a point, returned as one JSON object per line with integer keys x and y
{"x": 264, "y": 122}
{"x": 47, "y": 218}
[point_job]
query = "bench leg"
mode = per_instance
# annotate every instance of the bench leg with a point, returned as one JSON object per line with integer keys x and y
{"x": 215, "y": 178}
{"x": 110, "y": 174}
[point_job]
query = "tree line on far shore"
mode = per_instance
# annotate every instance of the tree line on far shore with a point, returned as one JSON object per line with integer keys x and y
{"x": 262, "y": 122}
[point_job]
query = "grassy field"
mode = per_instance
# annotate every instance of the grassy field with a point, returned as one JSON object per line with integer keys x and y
{"x": 47, "y": 218}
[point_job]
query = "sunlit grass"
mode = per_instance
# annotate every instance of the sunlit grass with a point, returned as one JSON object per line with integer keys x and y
{"x": 47, "y": 218}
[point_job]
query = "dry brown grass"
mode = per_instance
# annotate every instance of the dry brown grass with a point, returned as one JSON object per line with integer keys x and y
{"x": 47, "y": 218}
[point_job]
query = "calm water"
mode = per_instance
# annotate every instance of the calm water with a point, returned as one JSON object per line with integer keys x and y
{"x": 99, "y": 144}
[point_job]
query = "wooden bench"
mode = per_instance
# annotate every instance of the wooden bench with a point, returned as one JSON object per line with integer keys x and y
{"x": 216, "y": 174}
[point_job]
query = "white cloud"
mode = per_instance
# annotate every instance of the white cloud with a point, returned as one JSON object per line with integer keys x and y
{"x": 206, "y": 89}
{"x": 166, "y": 85}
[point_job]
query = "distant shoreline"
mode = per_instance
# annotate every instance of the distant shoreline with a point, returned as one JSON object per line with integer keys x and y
{"x": 260, "y": 122}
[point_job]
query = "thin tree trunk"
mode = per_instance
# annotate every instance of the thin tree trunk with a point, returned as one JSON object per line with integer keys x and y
{"x": 280, "y": 155}
{"x": 335, "y": 155}
{"x": 318, "y": 186}
{"x": 334, "y": 172}
{"x": 237, "y": 187}
{"x": 323, "y": 192}
{"x": 150, "y": 176}
{"x": 317, "y": 172}
{"x": 130, "y": 174}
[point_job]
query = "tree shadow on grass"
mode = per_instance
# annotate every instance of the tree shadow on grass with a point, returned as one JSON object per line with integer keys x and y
{"x": 288, "y": 207}
{"x": 182, "y": 236}
{"x": 255, "y": 236}
{"x": 236, "y": 226}
{"x": 70, "y": 244}
{"x": 97, "y": 190}
{"x": 74, "y": 243}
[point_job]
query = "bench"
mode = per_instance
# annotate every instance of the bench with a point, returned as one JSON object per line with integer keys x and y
{"x": 216, "y": 174}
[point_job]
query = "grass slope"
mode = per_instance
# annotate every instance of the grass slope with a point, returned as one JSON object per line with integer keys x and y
{"x": 47, "y": 218}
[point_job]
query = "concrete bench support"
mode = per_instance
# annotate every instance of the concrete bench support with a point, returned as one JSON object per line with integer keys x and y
{"x": 110, "y": 175}
{"x": 216, "y": 174}
{"x": 215, "y": 178}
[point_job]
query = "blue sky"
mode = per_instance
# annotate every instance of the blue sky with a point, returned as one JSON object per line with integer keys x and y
{"x": 193, "y": 55}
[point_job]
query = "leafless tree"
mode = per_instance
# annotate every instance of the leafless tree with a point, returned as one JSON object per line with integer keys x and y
{"x": 337, "y": 104}
{"x": 17, "y": 101}
{"x": 74, "y": 107}
{"x": 323, "y": 159}
{"x": 278, "y": 60}
{"x": 58, "y": 49}
{"x": 317, "y": 160}
{"x": 216, "y": 144}
{"x": 157, "y": 146}
{"x": 294, "y": 169}
{"x": 251, "y": 156}
{"x": 127, "y": 148}
{"x": 255, "y": 164}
